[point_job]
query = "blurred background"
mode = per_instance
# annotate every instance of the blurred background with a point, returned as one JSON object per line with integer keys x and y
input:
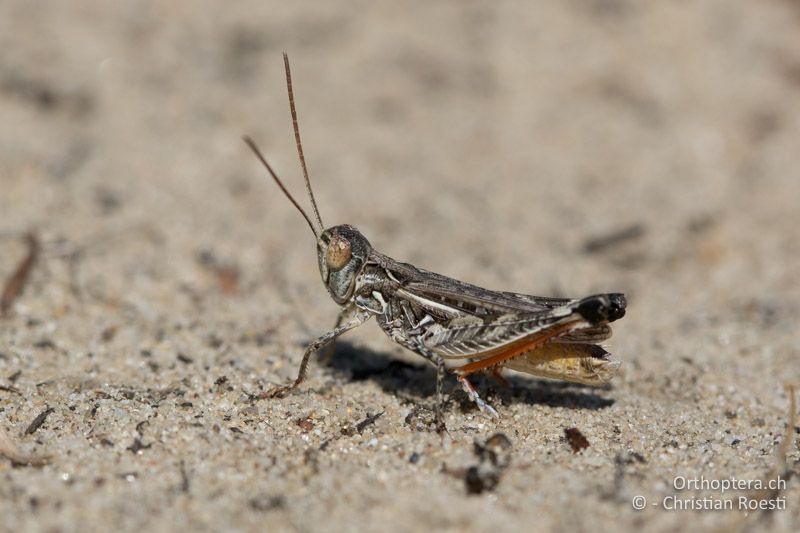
{"x": 553, "y": 148}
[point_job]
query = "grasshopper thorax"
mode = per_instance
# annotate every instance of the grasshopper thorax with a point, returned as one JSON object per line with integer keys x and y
{"x": 341, "y": 251}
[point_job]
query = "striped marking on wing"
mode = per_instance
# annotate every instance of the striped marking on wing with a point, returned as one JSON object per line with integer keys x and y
{"x": 472, "y": 337}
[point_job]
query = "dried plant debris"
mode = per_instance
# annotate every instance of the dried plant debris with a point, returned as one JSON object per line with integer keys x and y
{"x": 624, "y": 463}
{"x": 359, "y": 428}
{"x": 46, "y": 95}
{"x": 786, "y": 443}
{"x": 494, "y": 456}
{"x": 577, "y": 441}
{"x": 227, "y": 274}
{"x": 347, "y": 430}
{"x": 108, "y": 334}
{"x": 10, "y": 450}
{"x": 610, "y": 240}
{"x": 16, "y": 283}
{"x": 38, "y": 421}
{"x": 9, "y": 388}
{"x": 781, "y": 472}
{"x": 137, "y": 446}
{"x": 265, "y": 503}
{"x": 185, "y": 483}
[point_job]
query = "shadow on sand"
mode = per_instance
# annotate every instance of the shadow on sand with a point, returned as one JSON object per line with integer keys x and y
{"x": 418, "y": 380}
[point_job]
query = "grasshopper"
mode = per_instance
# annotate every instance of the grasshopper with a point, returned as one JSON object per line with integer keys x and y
{"x": 443, "y": 319}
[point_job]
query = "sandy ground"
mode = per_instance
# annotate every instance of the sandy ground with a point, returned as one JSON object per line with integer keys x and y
{"x": 493, "y": 142}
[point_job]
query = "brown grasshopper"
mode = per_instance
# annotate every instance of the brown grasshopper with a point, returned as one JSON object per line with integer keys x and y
{"x": 443, "y": 319}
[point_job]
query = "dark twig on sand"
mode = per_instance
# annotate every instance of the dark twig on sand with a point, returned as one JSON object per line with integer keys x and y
{"x": 38, "y": 421}
{"x": 350, "y": 430}
{"x": 9, "y": 388}
{"x": 604, "y": 242}
{"x": 774, "y": 482}
{"x": 16, "y": 283}
{"x": 361, "y": 426}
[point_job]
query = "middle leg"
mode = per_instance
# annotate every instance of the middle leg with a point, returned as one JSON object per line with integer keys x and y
{"x": 441, "y": 370}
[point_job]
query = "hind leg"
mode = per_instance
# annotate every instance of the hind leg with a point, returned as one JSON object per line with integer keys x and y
{"x": 473, "y": 395}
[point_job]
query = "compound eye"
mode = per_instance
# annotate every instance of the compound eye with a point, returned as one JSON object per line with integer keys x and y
{"x": 338, "y": 254}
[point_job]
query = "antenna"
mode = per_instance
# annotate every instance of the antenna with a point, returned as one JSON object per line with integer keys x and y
{"x": 256, "y": 151}
{"x": 297, "y": 139}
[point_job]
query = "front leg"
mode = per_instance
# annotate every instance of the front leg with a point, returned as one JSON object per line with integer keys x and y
{"x": 358, "y": 319}
{"x": 326, "y": 355}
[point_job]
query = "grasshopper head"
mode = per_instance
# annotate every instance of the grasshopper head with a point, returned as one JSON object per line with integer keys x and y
{"x": 341, "y": 251}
